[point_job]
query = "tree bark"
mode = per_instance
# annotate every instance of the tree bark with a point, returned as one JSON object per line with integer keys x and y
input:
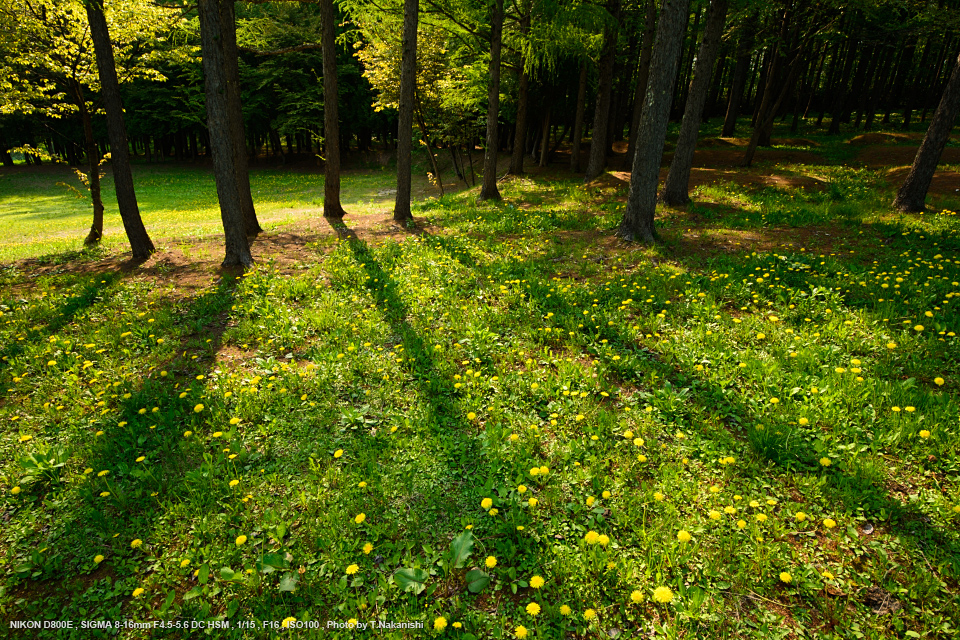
{"x": 488, "y": 190}
{"x": 735, "y": 98}
{"x": 222, "y": 135}
{"x": 678, "y": 178}
{"x": 578, "y": 120}
{"x": 332, "y": 209}
{"x": 545, "y": 139}
{"x": 231, "y": 72}
{"x": 408, "y": 84}
{"x": 911, "y": 196}
{"x": 93, "y": 167}
{"x": 523, "y": 91}
{"x": 917, "y": 86}
{"x": 637, "y": 223}
{"x": 643, "y": 75}
{"x": 598, "y": 141}
{"x": 768, "y": 112}
{"x": 140, "y": 242}
{"x": 841, "y": 88}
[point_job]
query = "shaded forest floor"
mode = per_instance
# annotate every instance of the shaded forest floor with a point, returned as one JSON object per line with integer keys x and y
{"x": 499, "y": 405}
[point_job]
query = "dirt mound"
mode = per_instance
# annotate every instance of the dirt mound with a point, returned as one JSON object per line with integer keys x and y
{"x": 708, "y": 143}
{"x": 794, "y": 142}
{"x": 877, "y": 156}
{"x": 865, "y": 139}
{"x": 733, "y": 157}
{"x": 945, "y": 183}
{"x": 706, "y": 176}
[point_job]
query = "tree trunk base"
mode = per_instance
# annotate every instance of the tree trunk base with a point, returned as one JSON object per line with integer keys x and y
{"x": 636, "y": 236}
{"x": 94, "y": 237}
{"x": 674, "y": 200}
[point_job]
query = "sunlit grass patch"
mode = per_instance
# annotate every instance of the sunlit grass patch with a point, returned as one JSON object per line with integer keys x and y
{"x": 514, "y": 410}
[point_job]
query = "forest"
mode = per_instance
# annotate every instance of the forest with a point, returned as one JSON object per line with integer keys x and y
{"x": 479, "y": 318}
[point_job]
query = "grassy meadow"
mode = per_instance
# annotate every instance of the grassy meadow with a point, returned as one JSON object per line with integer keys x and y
{"x": 500, "y": 423}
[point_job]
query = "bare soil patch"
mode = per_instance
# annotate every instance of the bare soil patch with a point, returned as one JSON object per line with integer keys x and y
{"x": 700, "y": 176}
{"x": 946, "y": 183}
{"x": 184, "y": 267}
{"x": 879, "y": 157}
{"x": 865, "y": 139}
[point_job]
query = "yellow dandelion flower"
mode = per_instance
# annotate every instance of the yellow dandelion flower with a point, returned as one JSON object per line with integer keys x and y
{"x": 491, "y": 562}
{"x": 520, "y": 632}
{"x": 684, "y": 536}
{"x": 829, "y": 523}
{"x": 589, "y": 614}
{"x": 533, "y": 609}
{"x": 138, "y": 592}
{"x": 785, "y": 577}
{"x": 97, "y": 559}
{"x": 636, "y": 596}
{"x": 592, "y": 537}
{"x": 663, "y": 595}
{"x": 486, "y": 503}
{"x": 367, "y": 548}
{"x": 287, "y": 621}
{"x": 565, "y": 610}
{"x": 536, "y": 582}
{"x": 198, "y": 408}
{"x": 440, "y": 624}
{"x": 241, "y": 540}
{"x": 352, "y": 569}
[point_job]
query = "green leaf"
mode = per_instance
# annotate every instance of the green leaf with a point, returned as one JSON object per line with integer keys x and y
{"x": 477, "y": 580}
{"x": 204, "y": 574}
{"x": 413, "y": 580}
{"x": 271, "y": 562}
{"x": 227, "y": 573}
{"x": 289, "y": 582}
{"x": 193, "y": 593}
{"x": 168, "y": 601}
{"x": 461, "y": 548}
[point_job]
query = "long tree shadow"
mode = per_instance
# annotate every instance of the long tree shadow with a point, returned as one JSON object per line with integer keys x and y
{"x": 136, "y": 462}
{"x": 684, "y": 396}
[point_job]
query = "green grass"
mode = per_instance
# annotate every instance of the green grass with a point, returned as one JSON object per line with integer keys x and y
{"x": 791, "y": 404}
{"x": 49, "y": 211}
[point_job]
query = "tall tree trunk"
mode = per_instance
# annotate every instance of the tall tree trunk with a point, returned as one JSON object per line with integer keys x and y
{"x": 140, "y": 242}
{"x": 488, "y": 190}
{"x": 520, "y": 129}
{"x": 93, "y": 167}
{"x": 545, "y": 139}
{"x": 332, "y": 209}
{"x": 768, "y": 111}
{"x": 912, "y": 194}
{"x": 686, "y": 63}
{"x": 422, "y": 125}
{"x": 578, "y": 119}
{"x": 678, "y": 178}
{"x": 637, "y": 223}
{"x": 222, "y": 135}
{"x": 598, "y": 141}
{"x": 840, "y": 99}
{"x": 816, "y": 82}
{"x": 643, "y": 75}
{"x": 235, "y": 114}
{"x": 408, "y": 84}
{"x": 917, "y": 86}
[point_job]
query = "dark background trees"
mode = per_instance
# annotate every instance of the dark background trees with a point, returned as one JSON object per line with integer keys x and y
{"x": 571, "y": 83}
